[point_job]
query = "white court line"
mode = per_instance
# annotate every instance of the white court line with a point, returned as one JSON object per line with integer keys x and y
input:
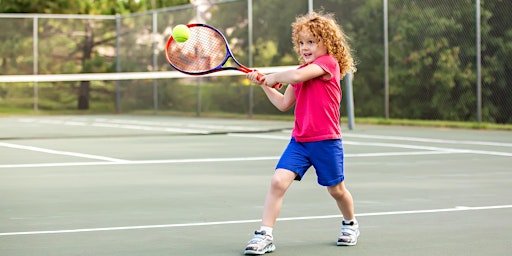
{"x": 142, "y": 125}
{"x": 202, "y": 126}
{"x": 429, "y": 140}
{"x": 419, "y": 139}
{"x": 194, "y": 224}
{"x": 394, "y": 145}
{"x": 56, "y": 152}
{"x": 118, "y": 124}
{"x": 206, "y": 160}
{"x": 447, "y": 150}
{"x": 164, "y": 161}
{"x": 428, "y": 151}
{"x": 148, "y": 128}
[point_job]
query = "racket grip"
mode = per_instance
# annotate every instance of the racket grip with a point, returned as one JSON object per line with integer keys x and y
{"x": 275, "y": 86}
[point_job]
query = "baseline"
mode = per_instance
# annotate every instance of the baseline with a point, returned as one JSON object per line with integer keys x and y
{"x": 213, "y": 223}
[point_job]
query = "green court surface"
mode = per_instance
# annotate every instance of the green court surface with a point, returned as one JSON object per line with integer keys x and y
{"x": 158, "y": 185}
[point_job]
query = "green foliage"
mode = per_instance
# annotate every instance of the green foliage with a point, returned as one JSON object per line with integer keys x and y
{"x": 69, "y": 46}
{"x": 265, "y": 50}
{"x": 431, "y": 45}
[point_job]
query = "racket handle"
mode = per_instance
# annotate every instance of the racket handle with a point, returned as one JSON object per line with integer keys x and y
{"x": 275, "y": 86}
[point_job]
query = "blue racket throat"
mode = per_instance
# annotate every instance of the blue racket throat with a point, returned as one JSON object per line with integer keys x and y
{"x": 205, "y": 51}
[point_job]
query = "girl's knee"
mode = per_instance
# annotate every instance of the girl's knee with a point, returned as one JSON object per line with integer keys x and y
{"x": 282, "y": 180}
{"x": 278, "y": 183}
{"x": 338, "y": 190}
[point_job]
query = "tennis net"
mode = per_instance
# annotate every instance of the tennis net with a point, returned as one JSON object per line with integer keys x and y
{"x": 220, "y": 93}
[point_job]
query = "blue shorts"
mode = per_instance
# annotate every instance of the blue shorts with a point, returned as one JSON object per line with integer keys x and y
{"x": 325, "y": 156}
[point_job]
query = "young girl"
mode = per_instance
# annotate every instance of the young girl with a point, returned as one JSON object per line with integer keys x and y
{"x": 314, "y": 88}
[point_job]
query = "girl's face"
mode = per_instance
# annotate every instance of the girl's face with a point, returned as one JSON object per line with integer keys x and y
{"x": 310, "y": 48}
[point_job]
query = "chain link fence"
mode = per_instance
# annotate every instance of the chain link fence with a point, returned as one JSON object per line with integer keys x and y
{"x": 426, "y": 60}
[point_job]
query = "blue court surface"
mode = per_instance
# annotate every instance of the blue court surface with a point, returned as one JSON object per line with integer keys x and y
{"x": 159, "y": 185}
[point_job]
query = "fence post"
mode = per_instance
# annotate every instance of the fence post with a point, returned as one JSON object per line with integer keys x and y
{"x": 478, "y": 64}
{"x": 155, "y": 60}
{"x": 118, "y": 63}
{"x": 349, "y": 97}
{"x": 386, "y": 60}
{"x": 250, "y": 61}
{"x": 35, "y": 63}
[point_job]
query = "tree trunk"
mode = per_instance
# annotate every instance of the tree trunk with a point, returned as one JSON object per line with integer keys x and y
{"x": 85, "y": 86}
{"x": 83, "y": 95}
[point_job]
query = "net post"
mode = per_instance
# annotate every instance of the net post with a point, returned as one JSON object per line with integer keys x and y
{"x": 118, "y": 64}
{"x": 349, "y": 95}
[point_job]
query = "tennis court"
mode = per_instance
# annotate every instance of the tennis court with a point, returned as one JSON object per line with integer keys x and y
{"x": 160, "y": 185}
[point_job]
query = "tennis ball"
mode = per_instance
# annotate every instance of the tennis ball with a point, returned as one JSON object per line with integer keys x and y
{"x": 180, "y": 33}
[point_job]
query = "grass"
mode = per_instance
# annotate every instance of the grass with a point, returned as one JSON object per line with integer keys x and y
{"x": 4, "y": 111}
{"x": 435, "y": 123}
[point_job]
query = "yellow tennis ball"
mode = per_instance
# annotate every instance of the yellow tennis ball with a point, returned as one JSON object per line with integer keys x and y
{"x": 180, "y": 33}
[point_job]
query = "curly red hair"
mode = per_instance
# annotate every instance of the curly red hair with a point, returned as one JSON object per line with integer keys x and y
{"x": 325, "y": 28}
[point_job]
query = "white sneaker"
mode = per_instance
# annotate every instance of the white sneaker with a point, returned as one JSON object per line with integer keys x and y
{"x": 261, "y": 243}
{"x": 349, "y": 233}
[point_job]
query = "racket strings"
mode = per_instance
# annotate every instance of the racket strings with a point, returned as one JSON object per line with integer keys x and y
{"x": 204, "y": 50}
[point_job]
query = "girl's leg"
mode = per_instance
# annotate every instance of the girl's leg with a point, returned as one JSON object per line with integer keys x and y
{"x": 281, "y": 181}
{"x": 349, "y": 226}
{"x": 262, "y": 242}
{"x": 343, "y": 199}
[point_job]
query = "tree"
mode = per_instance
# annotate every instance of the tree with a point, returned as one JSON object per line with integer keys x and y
{"x": 362, "y": 22}
{"x": 496, "y": 67}
{"x": 79, "y": 41}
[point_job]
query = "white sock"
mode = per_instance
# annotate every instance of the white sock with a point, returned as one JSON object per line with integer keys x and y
{"x": 268, "y": 230}
{"x": 348, "y": 221}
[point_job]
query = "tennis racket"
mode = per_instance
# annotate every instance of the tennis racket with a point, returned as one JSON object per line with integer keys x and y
{"x": 206, "y": 51}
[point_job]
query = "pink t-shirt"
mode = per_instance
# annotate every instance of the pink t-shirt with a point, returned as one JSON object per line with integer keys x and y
{"x": 317, "y": 106}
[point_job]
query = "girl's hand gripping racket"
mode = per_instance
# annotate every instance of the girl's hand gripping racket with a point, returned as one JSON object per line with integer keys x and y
{"x": 205, "y": 51}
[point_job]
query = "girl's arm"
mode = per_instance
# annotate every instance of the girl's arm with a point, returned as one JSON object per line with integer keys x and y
{"x": 294, "y": 76}
{"x": 285, "y": 101}
{"x": 281, "y": 101}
